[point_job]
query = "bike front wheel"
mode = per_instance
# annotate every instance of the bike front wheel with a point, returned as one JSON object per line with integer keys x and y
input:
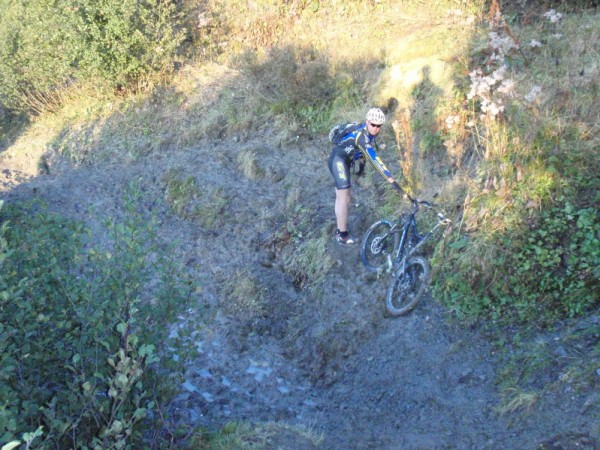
{"x": 378, "y": 245}
{"x": 408, "y": 286}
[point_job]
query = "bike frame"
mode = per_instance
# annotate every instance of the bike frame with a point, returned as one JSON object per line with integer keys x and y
{"x": 410, "y": 226}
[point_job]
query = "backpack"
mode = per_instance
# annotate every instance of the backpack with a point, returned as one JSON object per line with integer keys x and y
{"x": 337, "y": 133}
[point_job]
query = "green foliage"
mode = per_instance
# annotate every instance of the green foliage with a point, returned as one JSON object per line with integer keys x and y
{"x": 562, "y": 254}
{"x": 81, "y": 330}
{"x": 315, "y": 118}
{"x": 46, "y": 45}
{"x": 37, "y": 50}
{"x": 548, "y": 271}
{"x": 124, "y": 40}
{"x": 430, "y": 142}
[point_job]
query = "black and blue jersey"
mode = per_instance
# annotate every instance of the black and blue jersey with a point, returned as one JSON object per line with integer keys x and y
{"x": 354, "y": 146}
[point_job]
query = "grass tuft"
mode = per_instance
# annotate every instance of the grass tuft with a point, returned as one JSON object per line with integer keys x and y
{"x": 514, "y": 400}
{"x": 245, "y": 296}
{"x": 249, "y": 164}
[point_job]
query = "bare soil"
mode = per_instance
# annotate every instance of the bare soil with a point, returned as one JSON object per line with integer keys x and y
{"x": 325, "y": 359}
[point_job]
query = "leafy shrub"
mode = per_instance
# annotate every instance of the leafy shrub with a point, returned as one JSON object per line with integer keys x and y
{"x": 561, "y": 260}
{"x": 79, "y": 332}
{"x": 38, "y": 48}
{"x": 47, "y": 45}
{"x": 124, "y": 40}
{"x": 548, "y": 271}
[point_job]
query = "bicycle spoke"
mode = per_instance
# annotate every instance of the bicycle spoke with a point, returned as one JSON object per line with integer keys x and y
{"x": 408, "y": 286}
{"x": 378, "y": 246}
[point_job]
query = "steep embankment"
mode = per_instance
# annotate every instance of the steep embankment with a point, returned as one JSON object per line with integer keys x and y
{"x": 323, "y": 357}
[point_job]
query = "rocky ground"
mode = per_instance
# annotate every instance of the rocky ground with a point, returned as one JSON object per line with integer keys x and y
{"x": 325, "y": 358}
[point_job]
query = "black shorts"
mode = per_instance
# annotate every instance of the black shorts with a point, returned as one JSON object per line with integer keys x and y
{"x": 340, "y": 170}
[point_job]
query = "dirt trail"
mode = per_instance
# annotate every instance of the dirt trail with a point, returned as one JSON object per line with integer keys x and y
{"x": 326, "y": 360}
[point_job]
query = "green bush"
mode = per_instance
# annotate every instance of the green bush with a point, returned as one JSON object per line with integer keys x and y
{"x": 124, "y": 40}
{"x": 47, "y": 45}
{"x": 80, "y": 331}
{"x": 558, "y": 263}
{"x": 547, "y": 271}
{"x": 38, "y": 51}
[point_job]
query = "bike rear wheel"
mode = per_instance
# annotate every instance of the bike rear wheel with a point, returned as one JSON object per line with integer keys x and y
{"x": 377, "y": 245}
{"x": 408, "y": 286}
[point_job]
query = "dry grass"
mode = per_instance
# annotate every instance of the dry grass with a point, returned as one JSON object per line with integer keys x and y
{"x": 245, "y": 297}
{"x": 515, "y": 400}
{"x": 212, "y": 211}
{"x": 309, "y": 262}
{"x": 206, "y": 207}
{"x": 293, "y": 197}
{"x": 180, "y": 190}
{"x": 248, "y": 162}
{"x": 244, "y": 436}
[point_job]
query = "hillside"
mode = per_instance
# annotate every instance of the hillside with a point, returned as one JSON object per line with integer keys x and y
{"x": 285, "y": 340}
{"x": 330, "y": 362}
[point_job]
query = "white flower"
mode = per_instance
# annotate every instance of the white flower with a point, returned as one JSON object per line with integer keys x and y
{"x": 533, "y": 94}
{"x": 553, "y": 16}
{"x": 535, "y": 43}
{"x": 498, "y": 74}
{"x": 497, "y": 20}
{"x": 490, "y": 81}
{"x": 493, "y": 108}
{"x": 507, "y": 87}
{"x": 475, "y": 75}
{"x": 451, "y": 121}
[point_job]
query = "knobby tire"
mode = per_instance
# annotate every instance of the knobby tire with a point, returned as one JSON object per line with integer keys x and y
{"x": 408, "y": 286}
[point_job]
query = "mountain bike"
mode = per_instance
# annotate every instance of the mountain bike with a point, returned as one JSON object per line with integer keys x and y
{"x": 392, "y": 247}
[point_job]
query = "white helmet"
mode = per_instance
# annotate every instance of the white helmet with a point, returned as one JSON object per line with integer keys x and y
{"x": 376, "y": 116}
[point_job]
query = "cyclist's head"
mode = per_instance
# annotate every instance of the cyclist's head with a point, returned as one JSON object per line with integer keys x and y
{"x": 375, "y": 116}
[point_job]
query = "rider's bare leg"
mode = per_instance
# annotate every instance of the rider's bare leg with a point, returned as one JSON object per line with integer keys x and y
{"x": 342, "y": 202}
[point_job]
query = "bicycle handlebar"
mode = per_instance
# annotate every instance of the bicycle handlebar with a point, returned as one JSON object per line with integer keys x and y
{"x": 416, "y": 202}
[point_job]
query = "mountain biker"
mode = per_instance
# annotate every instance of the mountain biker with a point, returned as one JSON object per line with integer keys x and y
{"x": 356, "y": 146}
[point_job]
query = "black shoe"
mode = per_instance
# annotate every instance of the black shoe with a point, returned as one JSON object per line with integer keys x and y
{"x": 344, "y": 238}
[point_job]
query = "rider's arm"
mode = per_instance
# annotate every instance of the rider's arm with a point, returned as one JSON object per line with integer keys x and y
{"x": 369, "y": 152}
